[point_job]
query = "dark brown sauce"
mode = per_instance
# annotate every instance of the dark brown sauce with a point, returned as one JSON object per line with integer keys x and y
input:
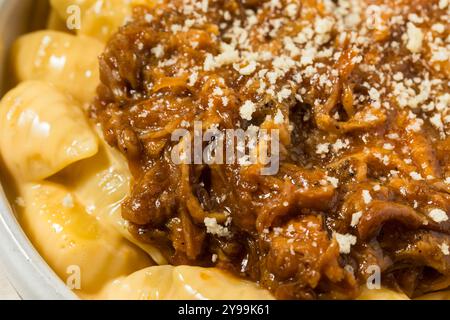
{"x": 346, "y": 144}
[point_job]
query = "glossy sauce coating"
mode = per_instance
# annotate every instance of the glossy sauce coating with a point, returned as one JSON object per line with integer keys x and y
{"x": 359, "y": 93}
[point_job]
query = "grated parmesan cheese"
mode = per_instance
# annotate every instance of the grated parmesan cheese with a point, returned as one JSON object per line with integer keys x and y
{"x": 158, "y": 51}
{"x": 445, "y": 249}
{"x": 388, "y": 146}
{"x": 247, "y": 110}
{"x": 438, "y": 215}
{"x": 415, "y": 38}
{"x": 247, "y": 70}
{"x": 355, "y": 218}
{"x": 333, "y": 181}
{"x": 345, "y": 242}
{"x": 416, "y": 176}
{"x": 366, "y": 196}
{"x": 213, "y": 227}
{"x": 323, "y": 148}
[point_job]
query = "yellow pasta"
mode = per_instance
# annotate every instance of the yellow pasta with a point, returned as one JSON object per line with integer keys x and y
{"x": 98, "y": 18}
{"x": 42, "y": 131}
{"x": 441, "y": 295}
{"x": 102, "y": 183}
{"x": 381, "y": 294}
{"x": 70, "y": 62}
{"x": 183, "y": 282}
{"x": 67, "y": 236}
{"x": 54, "y": 22}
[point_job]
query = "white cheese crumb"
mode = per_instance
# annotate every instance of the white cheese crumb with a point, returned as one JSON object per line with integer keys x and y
{"x": 148, "y": 18}
{"x": 205, "y": 5}
{"x": 291, "y": 10}
{"x": 279, "y": 118}
{"x": 218, "y": 91}
{"x": 213, "y": 227}
{"x": 393, "y": 136}
{"x": 323, "y": 148}
{"x": 176, "y": 28}
{"x": 333, "y": 181}
{"x": 290, "y": 229}
{"x": 416, "y": 176}
{"x": 339, "y": 145}
{"x": 345, "y": 242}
{"x": 415, "y": 18}
{"x": 415, "y": 38}
{"x": 366, "y": 196}
{"x": 388, "y": 146}
{"x": 440, "y": 54}
{"x": 225, "y": 101}
{"x": 438, "y": 27}
{"x": 445, "y": 249}
{"x": 436, "y": 121}
{"x": 247, "y": 109}
{"x": 374, "y": 94}
{"x": 438, "y": 215}
{"x": 398, "y": 76}
{"x": 355, "y": 218}
{"x": 369, "y": 117}
{"x": 229, "y": 55}
{"x": 248, "y": 69}
{"x": 158, "y": 51}
{"x": 193, "y": 79}
{"x": 284, "y": 94}
{"x": 323, "y": 26}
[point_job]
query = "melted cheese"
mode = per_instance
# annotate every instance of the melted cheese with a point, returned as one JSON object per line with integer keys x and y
{"x": 63, "y": 6}
{"x": 381, "y": 294}
{"x": 99, "y": 19}
{"x": 66, "y": 236}
{"x": 42, "y": 131}
{"x": 441, "y": 295}
{"x": 102, "y": 183}
{"x": 183, "y": 282}
{"x": 67, "y": 61}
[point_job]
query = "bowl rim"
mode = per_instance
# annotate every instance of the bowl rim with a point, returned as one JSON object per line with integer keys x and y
{"x": 25, "y": 268}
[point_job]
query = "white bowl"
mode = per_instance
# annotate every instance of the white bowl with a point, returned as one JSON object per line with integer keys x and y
{"x": 26, "y": 269}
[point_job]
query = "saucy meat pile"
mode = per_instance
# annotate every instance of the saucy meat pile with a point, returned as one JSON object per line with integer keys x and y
{"x": 358, "y": 93}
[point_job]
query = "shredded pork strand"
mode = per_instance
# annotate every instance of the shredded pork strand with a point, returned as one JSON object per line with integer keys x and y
{"x": 359, "y": 91}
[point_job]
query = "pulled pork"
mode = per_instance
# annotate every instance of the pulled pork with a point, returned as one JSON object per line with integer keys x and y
{"x": 359, "y": 104}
